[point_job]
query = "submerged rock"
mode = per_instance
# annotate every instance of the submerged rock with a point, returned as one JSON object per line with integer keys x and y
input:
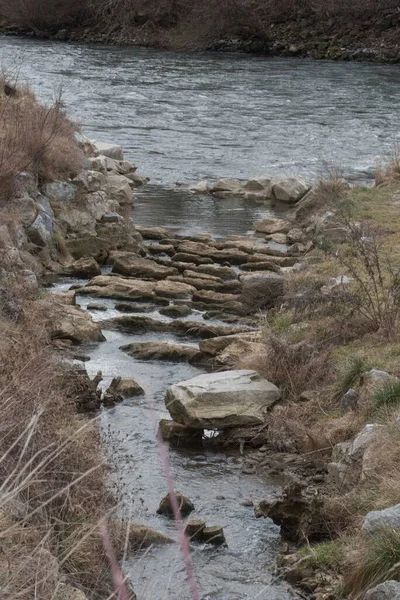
{"x": 270, "y": 226}
{"x": 175, "y": 311}
{"x": 124, "y": 387}
{"x": 232, "y": 186}
{"x": 198, "y": 531}
{"x": 221, "y": 400}
{"x": 160, "y": 351}
{"x": 194, "y": 530}
{"x": 185, "y": 505}
{"x": 213, "y": 535}
{"x": 97, "y": 306}
{"x": 178, "y": 434}
{"x": 127, "y": 307}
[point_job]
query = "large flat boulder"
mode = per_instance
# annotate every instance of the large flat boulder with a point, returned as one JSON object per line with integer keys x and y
{"x": 221, "y": 400}
{"x": 131, "y": 264}
{"x": 70, "y": 323}
{"x": 160, "y": 351}
{"x": 119, "y": 288}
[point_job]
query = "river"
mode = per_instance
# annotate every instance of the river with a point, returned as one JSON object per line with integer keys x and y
{"x": 184, "y": 118}
{"x": 203, "y": 116}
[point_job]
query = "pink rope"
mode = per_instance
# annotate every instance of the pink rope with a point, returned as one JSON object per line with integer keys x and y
{"x": 117, "y": 575}
{"x": 183, "y": 540}
{"x": 116, "y": 570}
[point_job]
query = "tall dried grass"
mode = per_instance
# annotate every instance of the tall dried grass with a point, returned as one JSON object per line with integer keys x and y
{"x": 53, "y": 495}
{"x": 34, "y": 138}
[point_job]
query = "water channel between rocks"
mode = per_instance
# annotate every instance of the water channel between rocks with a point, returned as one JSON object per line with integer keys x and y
{"x": 213, "y": 480}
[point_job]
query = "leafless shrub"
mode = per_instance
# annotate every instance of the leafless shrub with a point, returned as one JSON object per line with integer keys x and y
{"x": 374, "y": 294}
{"x": 295, "y": 367}
{"x": 34, "y": 138}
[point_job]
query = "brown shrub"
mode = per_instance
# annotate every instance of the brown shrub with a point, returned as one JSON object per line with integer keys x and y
{"x": 295, "y": 367}
{"x": 34, "y": 138}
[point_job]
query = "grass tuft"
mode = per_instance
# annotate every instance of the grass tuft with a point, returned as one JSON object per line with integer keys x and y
{"x": 352, "y": 372}
{"x": 376, "y": 562}
{"x": 387, "y": 395}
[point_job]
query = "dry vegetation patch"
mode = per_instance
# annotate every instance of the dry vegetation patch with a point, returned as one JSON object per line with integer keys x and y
{"x": 53, "y": 494}
{"x": 34, "y": 138}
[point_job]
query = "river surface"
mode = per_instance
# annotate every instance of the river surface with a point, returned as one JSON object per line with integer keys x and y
{"x": 203, "y": 116}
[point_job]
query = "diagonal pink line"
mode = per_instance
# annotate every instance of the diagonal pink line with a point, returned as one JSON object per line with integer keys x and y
{"x": 166, "y": 465}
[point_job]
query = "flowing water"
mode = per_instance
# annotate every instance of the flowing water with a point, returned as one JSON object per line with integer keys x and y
{"x": 201, "y": 116}
{"x": 186, "y": 118}
{"x": 213, "y": 480}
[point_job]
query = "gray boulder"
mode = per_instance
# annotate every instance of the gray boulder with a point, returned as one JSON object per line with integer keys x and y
{"x": 60, "y": 191}
{"x": 378, "y": 519}
{"x": 221, "y": 400}
{"x": 232, "y": 186}
{"x": 111, "y": 150}
{"x": 91, "y": 181}
{"x": 349, "y": 401}
{"x": 290, "y": 189}
{"x": 84, "y": 268}
{"x": 128, "y": 263}
{"x": 119, "y": 189}
{"x": 389, "y": 590}
{"x": 40, "y": 232}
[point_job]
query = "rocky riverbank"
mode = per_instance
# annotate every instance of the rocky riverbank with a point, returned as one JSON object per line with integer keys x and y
{"x": 371, "y": 39}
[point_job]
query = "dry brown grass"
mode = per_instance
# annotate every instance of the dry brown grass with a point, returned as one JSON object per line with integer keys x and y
{"x": 293, "y": 367}
{"x": 53, "y": 494}
{"x": 388, "y": 173}
{"x": 34, "y": 138}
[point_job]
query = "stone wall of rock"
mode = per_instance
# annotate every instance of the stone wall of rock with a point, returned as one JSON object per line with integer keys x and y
{"x": 49, "y": 227}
